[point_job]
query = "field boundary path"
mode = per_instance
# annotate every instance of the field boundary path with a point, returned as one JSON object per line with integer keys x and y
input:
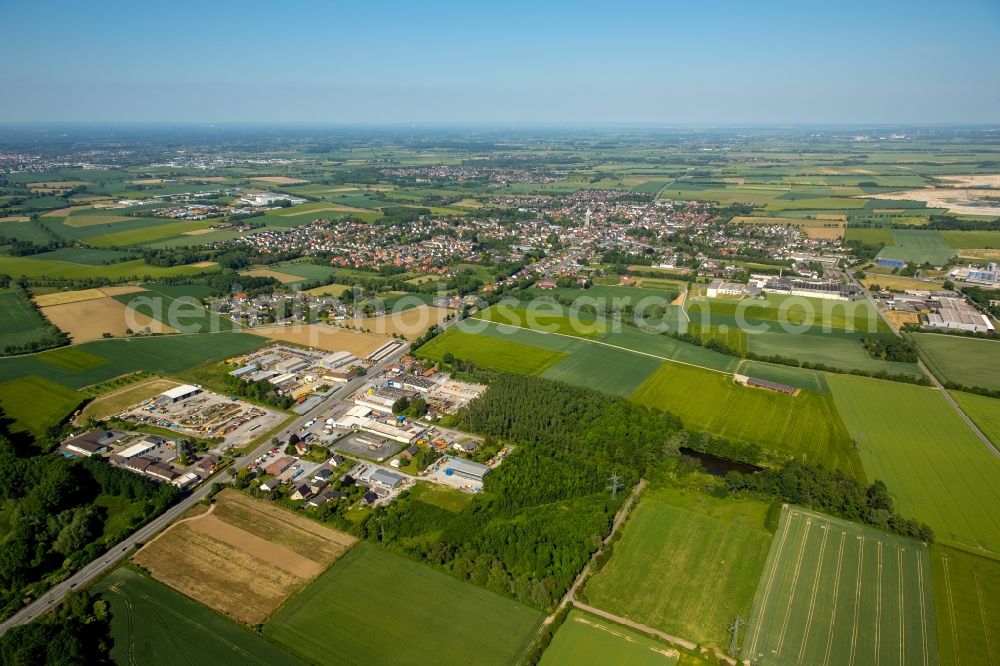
{"x": 570, "y": 596}
{"x": 606, "y": 344}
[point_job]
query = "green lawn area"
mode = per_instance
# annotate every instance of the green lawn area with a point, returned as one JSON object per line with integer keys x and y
{"x": 375, "y": 607}
{"x": 686, "y": 564}
{"x": 152, "y": 624}
{"x": 604, "y": 369}
{"x": 936, "y": 468}
{"x": 966, "y": 361}
{"x": 805, "y": 426}
{"x": 588, "y": 639}
{"x": 450, "y": 499}
{"x": 968, "y": 606}
{"x": 21, "y": 322}
{"x": 836, "y": 592}
{"x": 34, "y": 403}
{"x": 984, "y": 412}
{"x": 491, "y": 352}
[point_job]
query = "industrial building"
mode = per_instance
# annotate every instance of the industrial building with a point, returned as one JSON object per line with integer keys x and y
{"x": 890, "y": 263}
{"x": 718, "y": 288}
{"x": 956, "y": 314}
{"x": 92, "y": 443}
{"x": 466, "y": 469}
{"x": 826, "y": 289}
{"x": 178, "y": 393}
{"x": 385, "y": 479}
{"x": 142, "y": 447}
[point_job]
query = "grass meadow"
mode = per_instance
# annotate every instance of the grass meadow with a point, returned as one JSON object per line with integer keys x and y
{"x": 375, "y": 607}
{"x": 805, "y": 426}
{"x": 936, "y": 468}
{"x": 984, "y": 412}
{"x": 34, "y": 403}
{"x": 835, "y": 592}
{"x": 686, "y": 564}
{"x": 967, "y": 361}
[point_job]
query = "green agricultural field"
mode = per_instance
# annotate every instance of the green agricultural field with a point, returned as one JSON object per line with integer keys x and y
{"x": 72, "y": 359}
{"x": 34, "y": 403}
{"x": 162, "y": 355}
{"x": 869, "y": 235}
{"x": 788, "y": 314}
{"x": 306, "y": 271}
{"x": 374, "y": 607}
{"x": 805, "y": 426}
{"x": 836, "y": 349}
{"x": 604, "y": 369}
{"x": 919, "y": 246}
{"x": 588, "y": 639}
{"x": 120, "y": 272}
{"x": 835, "y": 592}
{"x": 184, "y": 313}
{"x": 966, "y": 361}
{"x": 489, "y": 352}
{"x": 611, "y": 294}
{"x": 23, "y": 229}
{"x": 153, "y": 232}
{"x": 968, "y": 606}
{"x": 152, "y": 624}
{"x": 546, "y": 318}
{"x": 21, "y": 322}
{"x": 687, "y": 564}
{"x": 84, "y": 255}
{"x": 935, "y": 467}
{"x": 984, "y": 412}
{"x": 972, "y": 239}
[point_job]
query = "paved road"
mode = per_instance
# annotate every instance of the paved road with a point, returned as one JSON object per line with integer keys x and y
{"x": 111, "y": 558}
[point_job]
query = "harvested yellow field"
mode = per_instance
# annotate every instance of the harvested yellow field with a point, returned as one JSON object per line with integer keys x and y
{"x": 825, "y": 233}
{"x": 15, "y": 218}
{"x": 467, "y": 203}
{"x": 121, "y": 289}
{"x": 283, "y": 278}
{"x": 985, "y": 254}
{"x": 279, "y": 180}
{"x": 244, "y": 557}
{"x": 978, "y": 180}
{"x": 203, "y": 264}
{"x": 94, "y": 220}
{"x": 900, "y": 318}
{"x": 901, "y": 283}
{"x": 328, "y": 290}
{"x": 91, "y": 319}
{"x": 835, "y": 217}
{"x": 64, "y": 212}
{"x": 957, "y": 200}
{"x": 118, "y": 401}
{"x": 197, "y": 232}
{"x": 410, "y": 323}
{"x": 322, "y": 336}
{"x": 63, "y": 297}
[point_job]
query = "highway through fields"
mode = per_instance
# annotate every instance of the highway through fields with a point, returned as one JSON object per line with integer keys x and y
{"x": 110, "y": 559}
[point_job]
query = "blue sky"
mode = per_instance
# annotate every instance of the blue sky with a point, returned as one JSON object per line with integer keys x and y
{"x": 659, "y": 63}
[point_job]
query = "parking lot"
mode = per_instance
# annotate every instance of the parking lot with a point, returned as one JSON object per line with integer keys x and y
{"x": 366, "y": 445}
